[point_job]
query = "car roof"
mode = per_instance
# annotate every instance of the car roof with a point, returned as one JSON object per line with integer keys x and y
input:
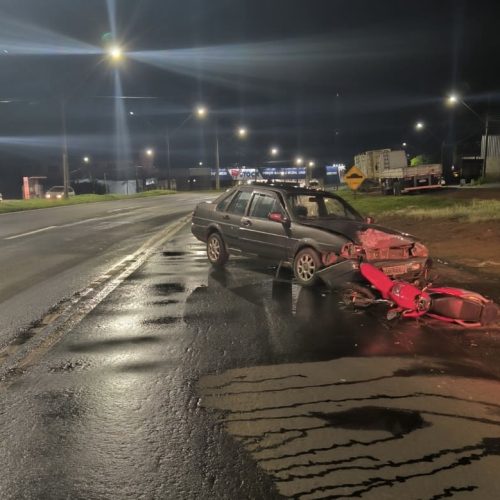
{"x": 286, "y": 188}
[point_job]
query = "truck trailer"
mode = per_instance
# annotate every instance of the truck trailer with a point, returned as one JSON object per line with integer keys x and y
{"x": 390, "y": 170}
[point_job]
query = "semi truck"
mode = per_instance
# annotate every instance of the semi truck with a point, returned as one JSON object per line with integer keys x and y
{"x": 390, "y": 171}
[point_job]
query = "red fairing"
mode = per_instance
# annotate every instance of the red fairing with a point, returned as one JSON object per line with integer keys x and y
{"x": 377, "y": 278}
{"x": 406, "y": 295}
{"x": 458, "y": 292}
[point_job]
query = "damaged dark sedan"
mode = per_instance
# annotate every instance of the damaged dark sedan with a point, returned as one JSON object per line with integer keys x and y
{"x": 314, "y": 232}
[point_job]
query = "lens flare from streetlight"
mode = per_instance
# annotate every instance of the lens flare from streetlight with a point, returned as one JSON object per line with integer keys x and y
{"x": 201, "y": 111}
{"x": 116, "y": 53}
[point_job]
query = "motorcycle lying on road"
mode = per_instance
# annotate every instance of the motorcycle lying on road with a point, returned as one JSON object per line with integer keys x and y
{"x": 452, "y": 305}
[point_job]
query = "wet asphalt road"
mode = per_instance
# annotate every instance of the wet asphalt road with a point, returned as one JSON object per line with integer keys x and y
{"x": 47, "y": 255}
{"x": 187, "y": 382}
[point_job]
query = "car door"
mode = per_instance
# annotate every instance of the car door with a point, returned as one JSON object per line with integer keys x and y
{"x": 230, "y": 219}
{"x": 258, "y": 234}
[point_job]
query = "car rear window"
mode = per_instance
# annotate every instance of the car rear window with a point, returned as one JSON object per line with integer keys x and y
{"x": 239, "y": 202}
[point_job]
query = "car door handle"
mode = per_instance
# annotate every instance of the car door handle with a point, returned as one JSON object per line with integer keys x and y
{"x": 246, "y": 222}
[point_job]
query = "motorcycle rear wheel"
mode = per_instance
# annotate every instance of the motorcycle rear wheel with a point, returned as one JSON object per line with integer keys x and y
{"x": 357, "y": 296}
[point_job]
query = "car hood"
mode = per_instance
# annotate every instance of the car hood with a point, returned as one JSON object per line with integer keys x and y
{"x": 361, "y": 233}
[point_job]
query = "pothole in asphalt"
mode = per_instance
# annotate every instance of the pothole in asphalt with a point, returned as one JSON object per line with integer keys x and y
{"x": 169, "y": 288}
{"x": 70, "y": 366}
{"x": 167, "y": 320}
{"x": 165, "y": 302}
{"x": 372, "y": 418}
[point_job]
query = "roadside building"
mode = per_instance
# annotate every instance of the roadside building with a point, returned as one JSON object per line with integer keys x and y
{"x": 493, "y": 157}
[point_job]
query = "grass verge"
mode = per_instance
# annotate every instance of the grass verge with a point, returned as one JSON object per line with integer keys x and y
{"x": 20, "y": 205}
{"x": 426, "y": 206}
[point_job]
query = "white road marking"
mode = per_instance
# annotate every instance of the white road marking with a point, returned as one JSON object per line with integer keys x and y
{"x": 31, "y": 232}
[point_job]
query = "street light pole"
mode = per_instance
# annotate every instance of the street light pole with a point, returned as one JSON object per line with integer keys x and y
{"x": 453, "y": 99}
{"x": 485, "y": 158}
{"x": 217, "y": 157}
{"x": 65, "y": 164}
{"x": 167, "y": 139}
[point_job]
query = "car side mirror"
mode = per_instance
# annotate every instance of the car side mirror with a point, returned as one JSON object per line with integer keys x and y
{"x": 279, "y": 217}
{"x": 370, "y": 220}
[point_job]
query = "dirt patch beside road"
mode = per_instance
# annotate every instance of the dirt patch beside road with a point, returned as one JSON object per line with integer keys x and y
{"x": 474, "y": 245}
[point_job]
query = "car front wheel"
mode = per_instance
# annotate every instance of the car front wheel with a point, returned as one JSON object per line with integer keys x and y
{"x": 216, "y": 250}
{"x": 305, "y": 266}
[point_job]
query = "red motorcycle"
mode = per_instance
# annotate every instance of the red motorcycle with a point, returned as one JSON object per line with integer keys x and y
{"x": 453, "y": 305}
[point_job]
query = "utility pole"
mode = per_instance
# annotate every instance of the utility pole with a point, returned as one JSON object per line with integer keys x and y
{"x": 167, "y": 139}
{"x": 217, "y": 159}
{"x": 64, "y": 148}
{"x": 485, "y": 159}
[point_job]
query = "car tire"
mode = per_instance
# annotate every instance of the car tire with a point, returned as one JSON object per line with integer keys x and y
{"x": 305, "y": 266}
{"x": 216, "y": 250}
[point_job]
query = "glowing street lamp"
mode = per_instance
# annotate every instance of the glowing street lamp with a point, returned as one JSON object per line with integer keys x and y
{"x": 242, "y": 132}
{"x": 274, "y": 151}
{"x": 311, "y": 164}
{"x": 115, "y": 53}
{"x": 454, "y": 99}
{"x": 201, "y": 112}
{"x": 419, "y": 125}
{"x": 86, "y": 159}
{"x": 149, "y": 152}
{"x": 299, "y": 160}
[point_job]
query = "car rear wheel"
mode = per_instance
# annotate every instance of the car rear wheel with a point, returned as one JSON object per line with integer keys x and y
{"x": 305, "y": 266}
{"x": 216, "y": 250}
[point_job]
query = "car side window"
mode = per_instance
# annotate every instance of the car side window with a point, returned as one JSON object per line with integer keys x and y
{"x": 263, "y": 205}
{"x": 239, "y": 203}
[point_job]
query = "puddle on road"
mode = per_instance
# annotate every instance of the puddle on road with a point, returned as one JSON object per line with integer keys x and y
{"x": 70, "y": 366}
{"x": 169, "y": 288}
{"x": 174, "y": 254}
{"x": 165, "y": 302}
{"x": 397, "y": 422}
{"x": 112, "y": 343}
{"x": 166, "y": 320}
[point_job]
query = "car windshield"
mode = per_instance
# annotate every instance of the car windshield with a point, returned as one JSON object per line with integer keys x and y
{"x": 320, "y": 206}
{"x": 56, "y": 189}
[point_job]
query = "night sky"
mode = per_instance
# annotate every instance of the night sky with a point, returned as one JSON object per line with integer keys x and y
{"x": 325, "y": 79}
